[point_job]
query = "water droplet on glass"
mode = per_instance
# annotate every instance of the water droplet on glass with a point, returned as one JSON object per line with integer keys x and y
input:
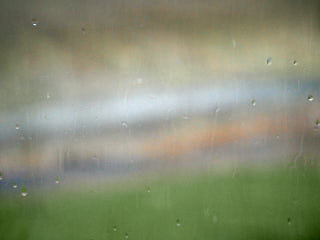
{"x": 126, "y": 236}
{"x": 206, "y": 212}
{"x": 148, "y": 190}
{"x": 178, "y": 223}
{"x": 114, "y": 228}
{"x": 289, "y": 221}
{"x": 295, "y": 62}
{"x": 253, "y": 102}
{"x": 15, "y": 185}
{"x": 34, "y": 22}
{"x": 139, "y": 81}
{"x": 217, "y": 110}
{"x": 124, "y": 124}
{"x": 57, "y": 180}
{"x": 234, "y": 43}
{"x": 152, "y": 97}
{"x": 1, "y": 176}
{"x": 48, "y": 95}
{"x": 24, "y": 191}
{"x": 310, "y": 98}
{"x": 17, "y": 127}
{"x": 277, "y": 137}
{"x": 214, "y": 218}
{"x": 269, "y": 60}
{"x": 83, "y": 30}
{"x": 24, "y": 194}
{"x": 317, "y": 123}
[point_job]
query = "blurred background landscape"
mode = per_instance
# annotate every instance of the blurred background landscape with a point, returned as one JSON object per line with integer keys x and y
{"x": 158, "y": 108}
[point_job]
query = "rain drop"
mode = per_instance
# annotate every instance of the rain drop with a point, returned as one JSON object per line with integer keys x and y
{"x": 126, "y": 236}
{"x": 48, "y": 95}
{"x": 152, "y": 97}
{"x": 23, "y": 191}
{"x": 317, "y": 123}
{"x": 57, "y": 180}
{"x": 34, "y": 22}
{"x": 253, "y": 102}
{"x": 310, "y": 98}
{"x": 289, "y": 221}
{"x": 234, "y": 43}
{"x": 1, "y": 176}
{"x": 114, "y": 228}
{"x": 15, "y": 185}
{"x": 206, "y": 212}
{"x": 124, "y": 124}
{"x": 139, "y": 81}
{"x": 295, "y": 62}
{"x": 17, "y": 127}
{"x": 178, "y": 223}
{"x": 83, "y": 30}
{"x": 148, "y": 190}
{"x": 269, "y": 60}
{"x": 214, "y": 218}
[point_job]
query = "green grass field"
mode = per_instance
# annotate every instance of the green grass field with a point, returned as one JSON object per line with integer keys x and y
{"x": 253, "y": 204}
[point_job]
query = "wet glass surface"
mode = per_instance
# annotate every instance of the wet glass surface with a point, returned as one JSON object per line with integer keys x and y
{"x": 159, "y": 119}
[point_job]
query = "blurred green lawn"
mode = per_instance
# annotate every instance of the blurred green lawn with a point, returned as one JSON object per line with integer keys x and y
{"x": 252, "y": 204}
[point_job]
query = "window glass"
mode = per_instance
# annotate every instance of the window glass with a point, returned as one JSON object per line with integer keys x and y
{"x": 149, "y": 119}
